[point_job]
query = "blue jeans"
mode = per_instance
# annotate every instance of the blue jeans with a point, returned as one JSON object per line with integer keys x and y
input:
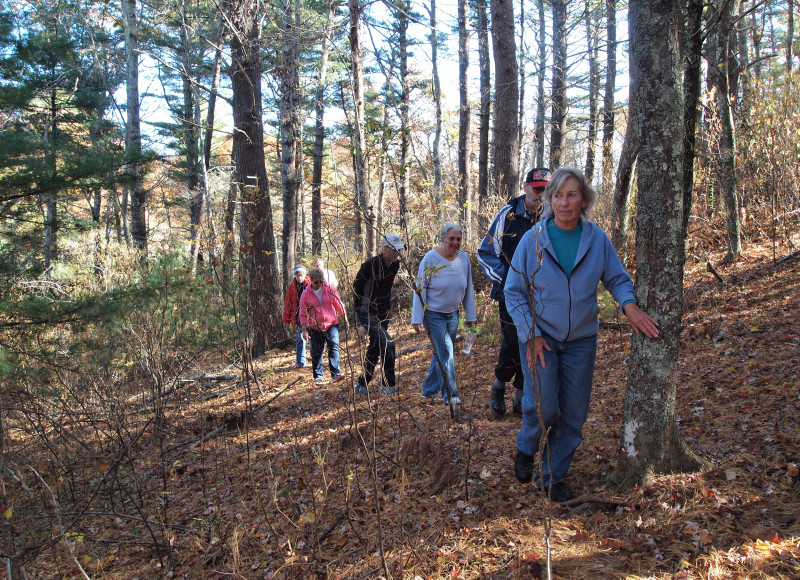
{"x": 443, "y": 329}
{"x": 319, "y": 339}
{"x": 300, "y": 347}
{"x": 564, "y": 387}
{"x": 381, "y": 346}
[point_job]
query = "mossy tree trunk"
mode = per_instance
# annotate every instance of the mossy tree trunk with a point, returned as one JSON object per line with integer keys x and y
{"x": 650, "y": 440}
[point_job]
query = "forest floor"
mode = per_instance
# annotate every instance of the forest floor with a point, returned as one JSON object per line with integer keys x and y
{"x": 324, "y": 483}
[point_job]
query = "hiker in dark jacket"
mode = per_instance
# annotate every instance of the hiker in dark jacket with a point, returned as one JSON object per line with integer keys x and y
{"x": 372, "y": 293}
{"x": 515, "y": 218}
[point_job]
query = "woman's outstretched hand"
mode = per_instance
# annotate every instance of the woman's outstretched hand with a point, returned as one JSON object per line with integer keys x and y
{"x": 641, "y": 322}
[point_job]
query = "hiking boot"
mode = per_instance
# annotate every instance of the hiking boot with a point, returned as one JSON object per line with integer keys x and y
{"x": 319, "y": 380}
{"x": 517, "y": 408}
{"x": 523, "y": 467}
{"x": 388, "y": 390}
{"x": 497, "y": 403}
{"x": 559, "y": 492}
{"x": 361, "y": 388}
{"x": 337, "y": 378}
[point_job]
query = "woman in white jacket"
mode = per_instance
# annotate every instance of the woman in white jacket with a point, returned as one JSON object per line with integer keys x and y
{"x": 444, "y": 283}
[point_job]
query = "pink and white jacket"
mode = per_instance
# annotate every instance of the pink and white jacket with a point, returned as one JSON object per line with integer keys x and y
{"x": 321, "y": 316}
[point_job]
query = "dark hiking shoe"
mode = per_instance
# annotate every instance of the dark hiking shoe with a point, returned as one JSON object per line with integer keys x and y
{"x": 517, "y": 409}
{"x": 387, "y": 390}
{"x": 497, "y": 403}
{"x": 361, "y": 388}
{"x": 559, "y": 492}
{"x": 523, "y": 467}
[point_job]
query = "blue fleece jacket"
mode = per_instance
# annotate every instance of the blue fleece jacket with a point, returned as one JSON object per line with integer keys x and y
{"x": 566, "y": 308}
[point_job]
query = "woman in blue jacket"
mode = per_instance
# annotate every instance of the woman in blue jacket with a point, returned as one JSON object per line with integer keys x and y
{"x": 551, "y": 294}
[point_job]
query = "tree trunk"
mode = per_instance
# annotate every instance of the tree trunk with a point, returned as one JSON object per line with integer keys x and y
{"x": 436, "y": 154}
{"x": 650, "y": 441}
{"x": 608, "y": 99}
{"x": 485, "y": 111}
{"x": 463, "y": 113}
{"x": 319, "y": 134}
{"x": 359, "y": 139}
{"x": 540, "y": 100}
{"x": 506, "y": 96}
{"x": 691, "y": 101}
{"x": 521, "y": 58}
{"x": 133, "y": 132}
{"x": 594, "y": 88}
{"x": 405, "y": 122}
{"x": 290, "y": 101}
{"x": 261, "y": 280}
{"x": 191, "y": 141}
{"x": 558, "y": 118}
{"x": 721, "y": 77}
{"x": 789, "y": 37}
{"x": 621, "y": 212}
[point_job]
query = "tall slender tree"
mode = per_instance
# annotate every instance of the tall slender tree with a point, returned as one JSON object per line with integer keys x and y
{"x": 593, "y": 49}
{"x": 436, "y": 153}
{"x": 506, "y": 98}
{"x": 484, "y": 111}
{"x": 608, "y": 99}
{"x": 133, "y": 131}
{"x": 289, "y": 103}
{"x": 558, "y": 118}
{"x": 319, "y": 129}
{"x": 463, "y": 114}
{"x": 359, "y": 138}
{"x": 540, "y": 96}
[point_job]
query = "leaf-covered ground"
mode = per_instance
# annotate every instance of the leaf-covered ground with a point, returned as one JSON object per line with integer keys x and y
{"x": 320, "y": 483}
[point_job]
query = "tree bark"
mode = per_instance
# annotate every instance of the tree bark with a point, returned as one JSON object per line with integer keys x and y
{"x": 133, "y": 132}
{"x": 405, "y": 124}
{"x": 506, "y": 92}
{"x": 650, "y": 441}
{"x": 691, "y": 101}
{"x": 436, "y": 154}
{"x": 463, "y": 114}
{"x": 621, "y": 211}
{"x": 261, "y": 280}
{"x": 484, "y": 114}
{"x": 540, "y": 100}
{"x": 359, "y": 138}
{"x": 558, "y": 117}
{"x": 594, "y": 88}
{"x": 789, "y": 37}
{"x": 608, "y": 98}
{"x": 191, "y": 140}
{"x": 290, "y": 100}
{"x": 721, "y": 77}
{"x": 319, "y": 134}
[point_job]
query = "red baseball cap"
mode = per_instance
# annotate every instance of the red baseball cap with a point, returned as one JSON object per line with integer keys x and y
{"x": 538, "y": 177}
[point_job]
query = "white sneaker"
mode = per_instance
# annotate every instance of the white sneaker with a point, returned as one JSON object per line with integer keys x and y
{"x": 456, "y": 400}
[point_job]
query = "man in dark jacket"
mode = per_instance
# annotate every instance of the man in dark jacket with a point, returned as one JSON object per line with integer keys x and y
{"x": 372, "y": 292}
{"x": 494, "y": 256}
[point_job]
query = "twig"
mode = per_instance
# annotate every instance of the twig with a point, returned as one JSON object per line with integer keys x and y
{"x": 710, "y": 268}
{"x": 594, "y": 499}
{"x": 327, "y": 532}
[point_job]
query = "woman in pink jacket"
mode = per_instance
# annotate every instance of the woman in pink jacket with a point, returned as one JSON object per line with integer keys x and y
{"x": 320, "y": 310}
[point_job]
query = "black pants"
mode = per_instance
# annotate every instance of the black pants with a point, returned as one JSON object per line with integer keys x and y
{"x": 381, "y": 346}
{"x": 508, "y": 367}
